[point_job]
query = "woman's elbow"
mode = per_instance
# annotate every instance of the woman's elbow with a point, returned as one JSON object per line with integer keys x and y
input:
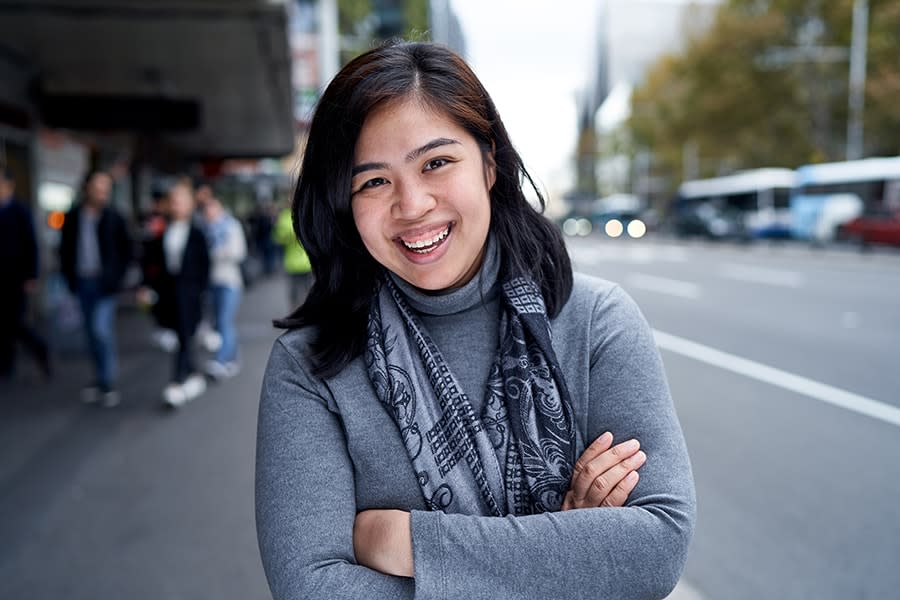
{"x": 671, "y": 551}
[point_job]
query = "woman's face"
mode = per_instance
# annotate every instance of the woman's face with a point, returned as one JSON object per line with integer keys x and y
{"x": 421, "y": 195}
{"x": 181, "y": 203}
{"x": 99, "y": 187}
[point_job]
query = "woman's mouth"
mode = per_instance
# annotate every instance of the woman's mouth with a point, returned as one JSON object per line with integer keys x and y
{"x": 429, "y": 244}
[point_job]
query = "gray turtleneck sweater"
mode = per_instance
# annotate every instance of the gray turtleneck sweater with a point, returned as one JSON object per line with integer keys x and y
{"x": 327, "y": 449}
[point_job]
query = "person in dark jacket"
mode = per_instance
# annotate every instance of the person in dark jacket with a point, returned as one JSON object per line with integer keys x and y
{"x": 180, "y": 286}
{"x": 95, "y": 250}
{"x": 18, "y": 278}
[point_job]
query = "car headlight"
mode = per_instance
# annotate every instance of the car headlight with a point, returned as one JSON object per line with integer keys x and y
{"x": 614, "y": 228}
{"x": 637, "y": 229}
{"x": 584, "y": 227}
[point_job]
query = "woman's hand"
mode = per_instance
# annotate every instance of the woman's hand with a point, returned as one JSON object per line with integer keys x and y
{"x": 382, "y": 540}
{"x": 604, "y": 475}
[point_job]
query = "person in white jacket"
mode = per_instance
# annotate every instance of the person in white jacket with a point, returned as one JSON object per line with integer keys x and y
{"x": 227, "y": 249}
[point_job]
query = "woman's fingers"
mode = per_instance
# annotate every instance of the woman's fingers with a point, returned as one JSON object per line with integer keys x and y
{"x": 619, "y": 494}
{"x": 612, "y": 487}
{"x": 592, "y": 466}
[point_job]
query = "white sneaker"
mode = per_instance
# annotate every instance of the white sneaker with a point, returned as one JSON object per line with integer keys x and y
{"x": 194, "y": 386}
{"x": 174, "y": 396}
{"x": 166, "y": 339}
{"x": 211, "y": 340}
{"x": 232, "y": 368}
{"x": 216, "y": 370}
{"x": 111, "y": 398}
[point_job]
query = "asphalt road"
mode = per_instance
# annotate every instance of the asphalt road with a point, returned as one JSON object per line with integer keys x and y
{"x": 783, "y": 365}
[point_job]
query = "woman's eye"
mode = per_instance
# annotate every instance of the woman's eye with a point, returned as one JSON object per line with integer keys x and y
{"x": 377, "y": 181}
{"x": 435, "y": 164}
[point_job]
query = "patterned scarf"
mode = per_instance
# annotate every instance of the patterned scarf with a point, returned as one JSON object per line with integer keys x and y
{"x": 517, "y": 456}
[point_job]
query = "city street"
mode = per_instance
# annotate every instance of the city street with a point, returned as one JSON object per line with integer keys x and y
{"x": 795, "y": 464}
{"x": 782, "y": 363}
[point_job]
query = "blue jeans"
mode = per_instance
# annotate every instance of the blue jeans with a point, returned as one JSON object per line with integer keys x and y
{"x": 225, "y": 302}
{"x": 99, "y": 313}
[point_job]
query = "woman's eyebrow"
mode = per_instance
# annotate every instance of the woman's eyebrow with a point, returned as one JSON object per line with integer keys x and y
{"x": 367, "y": 167}
{"x": 435, "y": 143}
{"x": 411, "y": 156}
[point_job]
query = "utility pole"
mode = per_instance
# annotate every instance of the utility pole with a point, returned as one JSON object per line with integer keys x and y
{"x": 857, "y": 95}
{"x": 329, "y": 52}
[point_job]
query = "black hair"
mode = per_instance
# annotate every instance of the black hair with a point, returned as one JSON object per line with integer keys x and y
{"x": 345, "y": 275}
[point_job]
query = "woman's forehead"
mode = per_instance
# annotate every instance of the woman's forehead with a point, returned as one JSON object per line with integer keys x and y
{"x": 405, "y": 126}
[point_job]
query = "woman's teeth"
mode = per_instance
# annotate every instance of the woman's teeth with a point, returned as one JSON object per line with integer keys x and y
{"x": 425, "y": 246}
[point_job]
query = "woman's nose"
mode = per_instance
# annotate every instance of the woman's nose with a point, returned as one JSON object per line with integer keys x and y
{"x": 412, "y": 201}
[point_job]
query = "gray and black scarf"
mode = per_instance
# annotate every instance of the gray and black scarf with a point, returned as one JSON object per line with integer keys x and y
{"x": 517, "y": 456}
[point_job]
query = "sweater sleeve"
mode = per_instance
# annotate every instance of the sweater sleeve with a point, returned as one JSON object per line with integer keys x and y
{"x": 636, "y": 551}
{"x": 305, "y": 494}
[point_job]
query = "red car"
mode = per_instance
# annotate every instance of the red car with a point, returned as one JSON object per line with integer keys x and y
{"x": 882, "y": 227}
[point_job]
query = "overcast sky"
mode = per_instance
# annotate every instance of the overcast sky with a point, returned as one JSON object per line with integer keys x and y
{"x": 533, "y": 57}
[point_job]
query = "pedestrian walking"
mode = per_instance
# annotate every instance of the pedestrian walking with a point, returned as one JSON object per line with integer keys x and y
{"x": 227, "y": 249}
{"x": 95, "y": 251}
{"x": 450, "y": 393}
{"x": 19, "y": 270}
{"x": 153, "y": 226}
{"x": 179, "y": 289}
{"x": 262, "y": 222}
{"x": 295, "y": 260}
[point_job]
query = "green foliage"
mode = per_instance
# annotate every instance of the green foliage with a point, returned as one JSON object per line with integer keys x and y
{"x": 727, "y": 93}
{"x": 355, "y": 21}
{"x": 351, "y": 13}
{"x": 416, "y": 14}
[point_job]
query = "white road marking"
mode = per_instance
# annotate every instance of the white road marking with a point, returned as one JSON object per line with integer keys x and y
{"x": 753, "y": 274}
{"x": 684, "y": 591}
{"x": 628, "y": 251}
{"x": 795, "y": 383}
{"x": 664, "y": 285}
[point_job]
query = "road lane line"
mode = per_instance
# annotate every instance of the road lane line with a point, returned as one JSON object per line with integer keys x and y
{"x": 684, "y": 591}
{"x": 663, "y": 285}
{"x": 777, "y": 377}
{"x": 777, "y": 277}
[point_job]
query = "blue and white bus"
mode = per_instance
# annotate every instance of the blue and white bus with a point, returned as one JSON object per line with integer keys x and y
{"x": 750, "y": 204}
{"x": 830, "y": 194}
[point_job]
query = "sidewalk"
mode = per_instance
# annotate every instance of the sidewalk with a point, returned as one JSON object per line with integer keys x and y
{"x": 135, "y": 501}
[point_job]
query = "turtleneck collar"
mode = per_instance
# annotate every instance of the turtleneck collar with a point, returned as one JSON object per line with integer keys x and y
{"x": 480, "y": 289}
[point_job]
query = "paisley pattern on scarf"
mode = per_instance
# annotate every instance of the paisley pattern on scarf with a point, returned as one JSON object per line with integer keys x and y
{"x": 514, "y": 458}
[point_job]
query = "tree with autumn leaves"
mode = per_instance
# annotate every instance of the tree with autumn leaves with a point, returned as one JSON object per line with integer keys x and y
{"x": 767, "y": 85}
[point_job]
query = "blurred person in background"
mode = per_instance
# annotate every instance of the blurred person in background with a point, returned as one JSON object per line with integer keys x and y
{"x": 153, "y": 225}
{"x": 179, "y": 289}
{"x": 296, "y": 261}
{"x": 95, "y": 251}
{"x": 227, "y": 249}
{"x": 261, "y": 222}
{"x": 450, "y": 392}
{"x": 19, "y": 269}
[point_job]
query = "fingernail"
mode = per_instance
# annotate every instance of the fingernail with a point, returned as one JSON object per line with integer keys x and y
{"x": 606, "y": 436}
{"x": 632, "y": 477}
{"x": 637, "y": 458}
{"x": 632, "y": 445}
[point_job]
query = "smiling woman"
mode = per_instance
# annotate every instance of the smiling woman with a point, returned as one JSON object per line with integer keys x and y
{"x": 421, "y": 195}
{"x": 449, "y": 393}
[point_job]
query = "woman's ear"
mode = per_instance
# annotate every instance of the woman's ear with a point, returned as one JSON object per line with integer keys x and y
{"x": 490, "y": 166}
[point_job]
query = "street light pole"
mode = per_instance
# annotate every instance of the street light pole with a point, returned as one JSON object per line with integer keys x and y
{"x": 857, "y": 95}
